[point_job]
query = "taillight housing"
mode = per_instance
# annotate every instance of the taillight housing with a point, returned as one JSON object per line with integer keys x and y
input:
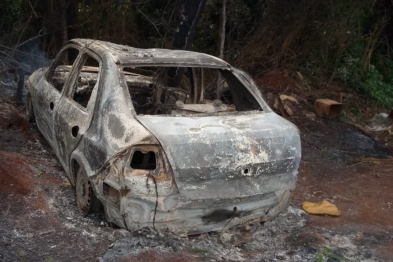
{"x": 148, "y": 160}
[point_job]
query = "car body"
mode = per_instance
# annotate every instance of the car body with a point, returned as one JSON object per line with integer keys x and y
{"x": 199, "y": 156}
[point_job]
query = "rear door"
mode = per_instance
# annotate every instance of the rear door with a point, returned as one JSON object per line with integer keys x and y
{"x": 50, "y": 89}
{"x": 75, "y": 109}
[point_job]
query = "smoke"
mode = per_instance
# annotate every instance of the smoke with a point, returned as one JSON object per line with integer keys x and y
{"x": 17, "y": 64}
{"x": 31, "y": 57}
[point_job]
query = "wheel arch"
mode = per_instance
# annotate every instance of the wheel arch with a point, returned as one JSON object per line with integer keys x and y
{"x": 74, "y": 169}
{"x": 77, "y": 161}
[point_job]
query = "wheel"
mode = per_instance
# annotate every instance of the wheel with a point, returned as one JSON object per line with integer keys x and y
{"x": 29, "y": 108}
{"x": 86, "y": 200}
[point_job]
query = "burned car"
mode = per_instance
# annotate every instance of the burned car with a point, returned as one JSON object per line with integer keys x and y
{"x": 171, "y": 139}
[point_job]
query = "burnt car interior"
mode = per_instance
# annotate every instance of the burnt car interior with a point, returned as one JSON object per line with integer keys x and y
{"x": 87, "y": 75}
{"x": 197, "y": 91}
{"x": 60, "y": 71}
{"x": 155, "y": 91}
{"x": 86, "y": 80}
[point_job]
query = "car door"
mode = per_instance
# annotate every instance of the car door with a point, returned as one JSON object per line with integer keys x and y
{"x": 50, "y": 89}
{"x": 75, "y": 108}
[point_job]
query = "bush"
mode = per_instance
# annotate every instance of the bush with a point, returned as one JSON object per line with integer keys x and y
{"x": 374, "y": 82}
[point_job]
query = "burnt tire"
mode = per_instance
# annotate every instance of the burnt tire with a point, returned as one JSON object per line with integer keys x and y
{"x": 86, "y": 199}
{"x": 29, "y": 108}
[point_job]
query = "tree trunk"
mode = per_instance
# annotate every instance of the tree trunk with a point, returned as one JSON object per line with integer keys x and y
{"x": 222, "y": 43}
{"x": 21, "y": 84}
{"x": 63, "y": 25}
{"x": 72, "y": 18}
{"x": 185, "y": 34}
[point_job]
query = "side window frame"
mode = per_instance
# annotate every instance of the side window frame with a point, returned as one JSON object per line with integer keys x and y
{"x": 55, "y": 63}
{"x": 70, "y": 89}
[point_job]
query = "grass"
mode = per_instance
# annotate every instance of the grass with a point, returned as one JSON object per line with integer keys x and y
{"x": 22, "y": 254}
{"x": 49, "y": 259}
{"x": 326, "y": 252}
{"x": 199, "y": 250}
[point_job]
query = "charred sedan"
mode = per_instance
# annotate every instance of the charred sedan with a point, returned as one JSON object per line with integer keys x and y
{"x": 176, "y": 140}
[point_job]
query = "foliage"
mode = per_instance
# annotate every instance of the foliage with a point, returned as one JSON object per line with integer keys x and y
{"x": 49, "y": 259}
{"x": 199, "y": 250}
{"x": 374, "y": 82}
{"x": 326, "y": 252}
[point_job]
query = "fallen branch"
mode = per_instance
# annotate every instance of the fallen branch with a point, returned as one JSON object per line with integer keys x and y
{"x": 372, "y": 160}
{"x": 376, "y": 160}
{"x": 360, "y": 127}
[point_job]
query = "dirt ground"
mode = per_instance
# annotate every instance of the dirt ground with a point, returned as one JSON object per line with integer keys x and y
{"x": 39, "y": 220}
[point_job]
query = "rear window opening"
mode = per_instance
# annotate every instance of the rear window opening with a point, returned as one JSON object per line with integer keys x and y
{"x": 146, "y": 161}
{"x": 162, "y": 91}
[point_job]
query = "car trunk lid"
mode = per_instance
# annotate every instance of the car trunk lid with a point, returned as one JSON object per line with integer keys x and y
{"x": 229, "y": 156}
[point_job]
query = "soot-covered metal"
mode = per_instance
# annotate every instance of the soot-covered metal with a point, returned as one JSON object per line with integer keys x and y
{"x": 191, "y": 158}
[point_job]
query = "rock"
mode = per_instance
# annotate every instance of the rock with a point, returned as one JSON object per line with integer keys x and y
{"x": 111, "y": 237}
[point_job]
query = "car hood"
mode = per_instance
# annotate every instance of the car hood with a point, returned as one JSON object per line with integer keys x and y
{"x": 228, "y": 156}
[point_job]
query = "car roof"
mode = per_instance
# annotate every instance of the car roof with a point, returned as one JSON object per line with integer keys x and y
{"x": 127, "y": 55}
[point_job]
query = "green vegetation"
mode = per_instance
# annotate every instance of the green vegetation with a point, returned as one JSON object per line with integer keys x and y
{"x": 373, "y": 83}
{"x": 22, "y": 255}
{"x": 199, "y": 250}
{"x": 326, "y": 252}
{"x": 49, "y": 259}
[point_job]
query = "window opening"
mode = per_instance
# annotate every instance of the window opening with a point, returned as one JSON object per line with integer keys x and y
{"x": 86, "y": 81}
{"x": 198, "y": 92}
{"x": 61, "y": 70}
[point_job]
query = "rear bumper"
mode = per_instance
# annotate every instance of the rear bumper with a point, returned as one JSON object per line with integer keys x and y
{"x": 198, "y": 217}
{"x": 135, "y": 199}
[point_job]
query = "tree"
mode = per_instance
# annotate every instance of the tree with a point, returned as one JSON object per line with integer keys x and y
{"x": 185, "y": 34}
